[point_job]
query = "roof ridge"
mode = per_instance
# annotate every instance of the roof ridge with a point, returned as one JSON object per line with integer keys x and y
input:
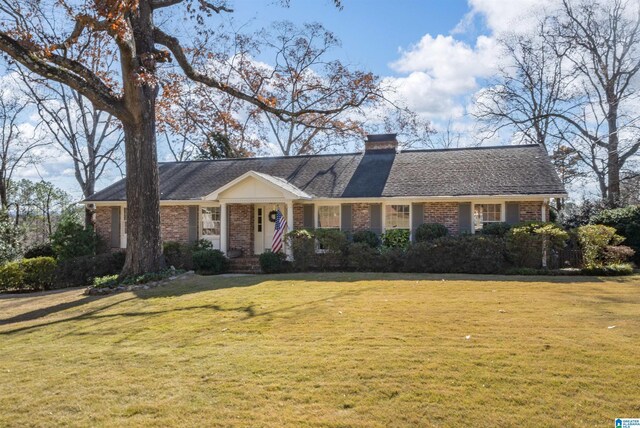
{"x": 263, "y": 157}
{"x": 451, "y": 149}
{"x": 454, "y": 149}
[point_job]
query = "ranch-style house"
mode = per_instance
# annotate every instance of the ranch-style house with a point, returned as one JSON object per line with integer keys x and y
{"x": 232, "y": 202}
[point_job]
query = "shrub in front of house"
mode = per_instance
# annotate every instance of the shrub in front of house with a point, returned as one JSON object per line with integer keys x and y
{"x": 614, "y": 269}
{"x": 367, "y": 237}
{"x": 533, "y": 244}
{"x": 178, "y": 255}
{"x": 362, "y": 257}
{"x": 598, "y": 243}
{"x": 39, "y": 250}
{"x": 28, "y": 274}
{"x": 80, "y": 271}
{"x": 210, "y": 262}
{"x": 303, "y": 248}
{"x": 496, "y": 229}
{"x": 201, "y": 244}
{"x": 626, "y": 221}
{"x": 618, "y": 254}
{"x": 392, "y": 259}
{"x": 71, "y": 239}
{"x": 396, "y": 238}
{"x": 430, "y": 231}
{"x": 332, "y": 245}
{"x": 11, "y": 277}
{"x": 457, "y": 254}
{"x": 274, "y": 262}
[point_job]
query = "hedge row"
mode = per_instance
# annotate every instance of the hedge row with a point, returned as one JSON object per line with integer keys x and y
{"x": 530, "y": 246}
{"x": 45, "y": 273}
{"x": 28, "y": 274}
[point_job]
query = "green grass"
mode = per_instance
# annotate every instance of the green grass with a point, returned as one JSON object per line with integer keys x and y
{"x": 326, "y": 350}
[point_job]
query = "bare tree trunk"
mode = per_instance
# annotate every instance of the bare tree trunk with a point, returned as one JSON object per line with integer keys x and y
{"x": 4, "y": 201}
{"x": 89, "y": 216}
{"x": 144, "y": 245}
{"x": 613, "y": 162}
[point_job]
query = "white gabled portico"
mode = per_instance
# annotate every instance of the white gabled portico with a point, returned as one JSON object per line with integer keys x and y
{"x": 266, "y": 193}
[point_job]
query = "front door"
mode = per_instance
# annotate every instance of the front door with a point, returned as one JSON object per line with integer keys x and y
{"x": 264, "y": 227}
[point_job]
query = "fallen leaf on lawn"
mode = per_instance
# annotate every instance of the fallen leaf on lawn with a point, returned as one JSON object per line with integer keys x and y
{"x": 611, "y": 326}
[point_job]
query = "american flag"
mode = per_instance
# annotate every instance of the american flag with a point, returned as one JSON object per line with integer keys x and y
{"x": 278, "y": 233}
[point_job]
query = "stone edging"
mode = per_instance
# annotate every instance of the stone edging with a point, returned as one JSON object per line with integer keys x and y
{"x": 101, "y": 291}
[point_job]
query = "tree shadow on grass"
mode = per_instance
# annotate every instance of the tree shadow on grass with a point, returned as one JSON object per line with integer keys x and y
{"x": 49, "y": 310}
{"x": 249, "y": 311}
{"x": 196, "y": 284}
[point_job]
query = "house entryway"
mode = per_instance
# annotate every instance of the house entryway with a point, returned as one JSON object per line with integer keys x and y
{"x": 264, "y": 225}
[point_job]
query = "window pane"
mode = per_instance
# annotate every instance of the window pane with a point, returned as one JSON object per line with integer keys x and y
{"x": 210, "y": 221}
{"x": 486, "y": 213}
{"x": 397, "y": 217}
{"x": 329, "y": 216}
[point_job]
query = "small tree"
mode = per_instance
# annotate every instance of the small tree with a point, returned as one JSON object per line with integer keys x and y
{"x": 531, "y": 244}
{"x": 594, "y": 240}
{"x": 10, "y": 244}
{"x": 71, "y": 239}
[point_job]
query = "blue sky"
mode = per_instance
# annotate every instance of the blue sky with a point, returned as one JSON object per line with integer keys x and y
{"x": 371, "y": 31}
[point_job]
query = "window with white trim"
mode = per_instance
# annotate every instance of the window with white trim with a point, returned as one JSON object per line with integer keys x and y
{"x": 210, "y": 221}
{"x": 486, "y": 213}
{"x": 329, "y": 217}
{"x": 397, "y": 217}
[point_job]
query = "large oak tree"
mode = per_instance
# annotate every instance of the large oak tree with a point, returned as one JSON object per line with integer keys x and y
{"x": 39, "y": 34}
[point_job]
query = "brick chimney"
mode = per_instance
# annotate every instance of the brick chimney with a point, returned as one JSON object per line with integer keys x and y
{"x": 381, "y": 142}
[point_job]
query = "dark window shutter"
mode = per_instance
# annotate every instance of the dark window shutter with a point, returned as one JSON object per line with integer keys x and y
{"x": 375, "y": 218}
{"x": 512, "y": 212}
{"x": 193, "y": 223}
{"x": 417, "y": 217}
{"x": 115, "y": 227}
{"x": 345, "y": 217}
{"x": 465, "y": 218}
{"x": 307, "y": 220}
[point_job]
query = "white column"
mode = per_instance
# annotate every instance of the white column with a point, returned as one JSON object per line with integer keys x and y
{"x": 289, "y": 227}
{"x": 543, "y": 215}
{"x": 224, "y": 228}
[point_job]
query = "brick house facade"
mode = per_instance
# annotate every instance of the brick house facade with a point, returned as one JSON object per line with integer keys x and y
{"x": 176, "y": 222}
{"x": 232, "y": 202}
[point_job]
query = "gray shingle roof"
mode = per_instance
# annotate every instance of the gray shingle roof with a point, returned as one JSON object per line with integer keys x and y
{"x": 503, "y": 170}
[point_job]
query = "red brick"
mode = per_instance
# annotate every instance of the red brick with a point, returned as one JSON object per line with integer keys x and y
{"x": 445, "y": 213}
{"x": 241, "y": 228}
{"x": 103, "y": 223}
{"x": 360, "y": 218}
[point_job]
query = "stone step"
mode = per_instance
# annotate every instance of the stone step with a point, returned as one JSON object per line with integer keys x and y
{"x": 245, "y": 265}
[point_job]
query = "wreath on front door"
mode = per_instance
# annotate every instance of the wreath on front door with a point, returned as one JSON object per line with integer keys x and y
{"x": 272, "y": 216}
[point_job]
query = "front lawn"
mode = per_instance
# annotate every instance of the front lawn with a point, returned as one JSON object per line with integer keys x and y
{"x": 326, "y": 350}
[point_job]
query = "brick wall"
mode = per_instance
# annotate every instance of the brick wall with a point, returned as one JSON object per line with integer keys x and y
{"x": 532, "y": 211}
{"x": 360, "y": 217}
{"x": 445, "y": 213}
{"x": 174, "y": 223}
{"x": 298, "y": 216}
{"x": 103, "y": 223}
{"x": 241, "y": 227}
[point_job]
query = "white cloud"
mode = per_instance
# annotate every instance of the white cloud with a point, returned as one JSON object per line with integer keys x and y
{"x": 441, "y": 69}
{"x": 439, "y": 74}
{"x": 502, "y": 16}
